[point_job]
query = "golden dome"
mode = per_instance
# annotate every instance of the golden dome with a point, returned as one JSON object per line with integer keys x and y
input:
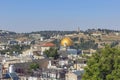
{"x": 66, "y": 41}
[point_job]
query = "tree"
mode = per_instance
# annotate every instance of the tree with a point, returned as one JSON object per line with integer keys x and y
{"x": 34, "y": 66}
{"x": 115, "y": 43}
{"x": 103, "y": 65}
{"x": 52, "y": 52}
{"x": 87, "y": 45}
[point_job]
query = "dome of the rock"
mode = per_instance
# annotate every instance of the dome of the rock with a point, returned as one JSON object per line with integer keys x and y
{"x": 66, "y": 42}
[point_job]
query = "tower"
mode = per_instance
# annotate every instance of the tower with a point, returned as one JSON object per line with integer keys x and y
{"x": 78, "y": 30}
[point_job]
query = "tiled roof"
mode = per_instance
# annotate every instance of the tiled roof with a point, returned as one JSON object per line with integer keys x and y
{"x": 48, "y": 44}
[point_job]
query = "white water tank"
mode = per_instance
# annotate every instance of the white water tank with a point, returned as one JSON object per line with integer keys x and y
{"x": 11, "y": 69}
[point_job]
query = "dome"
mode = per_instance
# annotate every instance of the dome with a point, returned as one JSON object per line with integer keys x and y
{"x": 66, "y": 42}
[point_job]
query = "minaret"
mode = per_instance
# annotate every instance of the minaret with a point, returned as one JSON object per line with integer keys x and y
{"x": 65, "y": 46}
{"x": 78, "y": 30}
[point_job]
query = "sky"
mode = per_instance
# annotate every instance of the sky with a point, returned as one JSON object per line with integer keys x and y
{"x": 39, "y": 15}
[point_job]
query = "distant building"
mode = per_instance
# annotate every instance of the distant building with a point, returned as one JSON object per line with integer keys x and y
{"x": 46, "y": 46}
{"x": 12, "y": 42}
{"x": 35, "y": 36}
{"x": 65, "y": 48}
{"x": 73, "y": 75}
{"x": 3, "y": 46}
